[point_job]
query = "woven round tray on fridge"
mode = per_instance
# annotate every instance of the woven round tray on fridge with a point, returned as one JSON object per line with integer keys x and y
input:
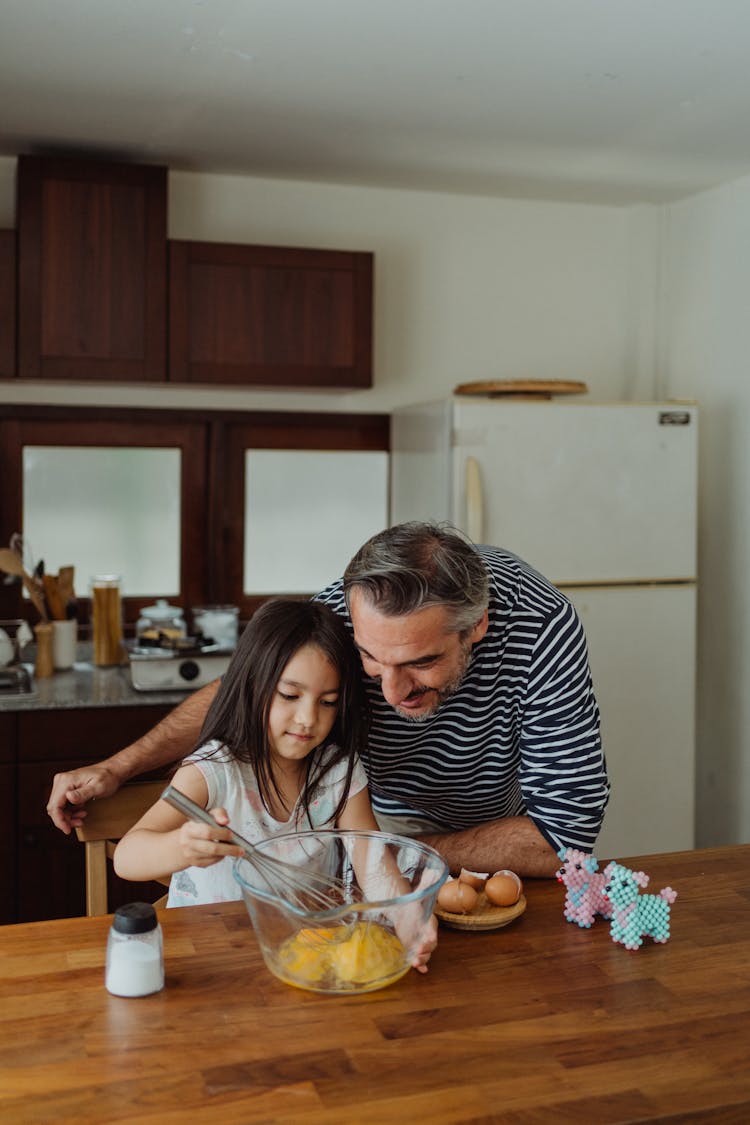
{"x": 534, "y": 388}
{"x": 484, "y": 916}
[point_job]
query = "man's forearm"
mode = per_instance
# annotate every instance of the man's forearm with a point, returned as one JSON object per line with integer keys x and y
{"x": 514, "y": 843}
{"x": 169, "y": 741}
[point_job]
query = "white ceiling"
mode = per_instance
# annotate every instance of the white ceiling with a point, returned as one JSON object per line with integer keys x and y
{"x": 612, "y": 101}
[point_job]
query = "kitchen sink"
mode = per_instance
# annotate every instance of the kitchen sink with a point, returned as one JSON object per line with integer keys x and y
{"x": 15, "y": 680}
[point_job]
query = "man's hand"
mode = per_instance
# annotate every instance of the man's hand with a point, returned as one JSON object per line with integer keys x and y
{"x": 168, "y": 742}
{"x": 512, "y": 842}
{"x": 71, "y": 791}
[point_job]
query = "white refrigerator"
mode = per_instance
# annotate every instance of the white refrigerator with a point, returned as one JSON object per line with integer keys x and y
{"x": 602, "y": 499}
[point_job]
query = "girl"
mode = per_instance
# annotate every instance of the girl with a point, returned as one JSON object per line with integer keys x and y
{"x": 278, "y": 753}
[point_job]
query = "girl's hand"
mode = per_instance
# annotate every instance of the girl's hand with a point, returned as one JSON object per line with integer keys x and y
{"x": 202, "y": 845}
{"x": 416, "y": 933}
{"x": 427, "y": 942}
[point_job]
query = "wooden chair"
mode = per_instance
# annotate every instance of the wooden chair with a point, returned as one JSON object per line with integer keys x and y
{"x": 107, "y": 821}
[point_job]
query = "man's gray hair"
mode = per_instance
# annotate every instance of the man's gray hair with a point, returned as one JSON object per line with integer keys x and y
{"x": 416, "y": 566}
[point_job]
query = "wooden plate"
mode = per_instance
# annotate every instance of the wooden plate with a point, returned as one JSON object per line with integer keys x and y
{"x": 543, "y": 388}
{"x": 484, "y": 916}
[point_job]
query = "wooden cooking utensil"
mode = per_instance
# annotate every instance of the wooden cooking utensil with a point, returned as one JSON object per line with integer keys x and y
{"x": 53, "y": 596}
{"x": 10, "y": 562}
{"x": 65, "y": 584}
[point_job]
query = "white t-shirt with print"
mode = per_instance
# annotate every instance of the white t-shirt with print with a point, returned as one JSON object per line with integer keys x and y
{"x": 232, "y": 785}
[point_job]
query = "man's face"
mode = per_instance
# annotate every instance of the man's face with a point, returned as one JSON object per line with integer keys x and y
{"x": 417, "y": 663}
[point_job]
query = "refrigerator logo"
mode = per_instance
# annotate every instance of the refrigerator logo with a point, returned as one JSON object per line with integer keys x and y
{"x": 674, "y": 417}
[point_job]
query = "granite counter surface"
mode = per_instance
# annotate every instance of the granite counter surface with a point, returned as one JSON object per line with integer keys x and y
{"x": 85, "y": 685}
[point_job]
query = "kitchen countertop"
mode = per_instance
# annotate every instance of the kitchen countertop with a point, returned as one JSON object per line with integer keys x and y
{"x": 539, "y": 1021}
{"x": 85, "y": 685}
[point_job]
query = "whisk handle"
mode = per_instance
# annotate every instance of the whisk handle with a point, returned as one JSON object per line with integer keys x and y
{"x": 188, "y": 808}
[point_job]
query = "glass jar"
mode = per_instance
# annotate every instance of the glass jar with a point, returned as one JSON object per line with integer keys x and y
{"x": 161, "y": 619}
{"x": 135, "y": 952}
{"x": 217, "y": 622}
{"x": 106, "y": 619}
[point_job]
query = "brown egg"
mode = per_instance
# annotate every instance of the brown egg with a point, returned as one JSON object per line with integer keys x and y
{"x": 503, "y": 888}
{"x": 475, "y": 879}
{"x": 457, "y": 897}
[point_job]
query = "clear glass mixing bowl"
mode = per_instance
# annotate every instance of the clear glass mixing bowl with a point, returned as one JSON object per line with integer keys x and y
{"x": 368, "y": 937}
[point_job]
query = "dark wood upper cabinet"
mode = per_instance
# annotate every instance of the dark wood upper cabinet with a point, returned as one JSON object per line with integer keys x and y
{"x": 92, "y": 266}
{"x": 7, "y": 304}
{"x": 267, "y": 316}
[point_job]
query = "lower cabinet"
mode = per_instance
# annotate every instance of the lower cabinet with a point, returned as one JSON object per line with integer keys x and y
{"x": 49, "y": 869}
{"x": 8, "y": 872}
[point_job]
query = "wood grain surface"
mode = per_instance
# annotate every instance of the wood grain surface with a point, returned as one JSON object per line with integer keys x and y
{"x": 538, "y": 1022}
{"x": 544, "y": 388}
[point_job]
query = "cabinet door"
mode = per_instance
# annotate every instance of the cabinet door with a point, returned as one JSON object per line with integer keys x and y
{"x": 92, "y": 270}
{"x": 294, "y": 511}
{"x": 51, "y": 866}
{"x": 8, "y": 872}
{"x": 289, "y": 495}
{"x": 268, "y": 316}
{"x": 7, "y": 304}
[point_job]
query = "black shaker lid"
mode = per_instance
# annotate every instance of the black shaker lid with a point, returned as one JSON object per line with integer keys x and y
{"x": 134, "y": 918}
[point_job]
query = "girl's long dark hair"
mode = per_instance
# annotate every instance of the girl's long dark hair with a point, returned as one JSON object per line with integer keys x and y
{"x": 238, "y": 716}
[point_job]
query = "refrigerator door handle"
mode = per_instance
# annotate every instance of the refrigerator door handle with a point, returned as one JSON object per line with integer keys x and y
{"x": 474, "y": 504}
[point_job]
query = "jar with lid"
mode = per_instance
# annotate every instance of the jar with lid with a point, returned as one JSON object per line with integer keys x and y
{"x": 106, "y": 619}
{"x": 135, "y": 952}
{"x": 160, "y": 620}
{"x": 219, "y": 622}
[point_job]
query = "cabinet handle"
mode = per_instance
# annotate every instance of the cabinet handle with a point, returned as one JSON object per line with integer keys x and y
{"x": 474, "y": 504}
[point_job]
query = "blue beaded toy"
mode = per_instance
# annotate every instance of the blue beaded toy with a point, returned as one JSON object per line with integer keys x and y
{"x": 635, "y": 916}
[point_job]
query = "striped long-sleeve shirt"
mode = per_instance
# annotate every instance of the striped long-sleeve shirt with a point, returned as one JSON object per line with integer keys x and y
{"x": 521, "y": 734}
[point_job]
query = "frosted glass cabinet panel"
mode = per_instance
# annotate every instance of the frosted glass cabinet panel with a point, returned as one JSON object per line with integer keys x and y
{"x": 306, "y": 513}
{"x": 105, "y": 511}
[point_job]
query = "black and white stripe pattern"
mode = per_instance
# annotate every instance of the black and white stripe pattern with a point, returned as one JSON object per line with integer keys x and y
{"x": 520, "y": 736}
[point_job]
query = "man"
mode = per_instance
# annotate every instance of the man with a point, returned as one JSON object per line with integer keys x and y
{"x": 484, "y": 740}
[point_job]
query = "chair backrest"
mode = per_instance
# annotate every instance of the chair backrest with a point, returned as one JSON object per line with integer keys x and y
{"x": 107, "y": 821}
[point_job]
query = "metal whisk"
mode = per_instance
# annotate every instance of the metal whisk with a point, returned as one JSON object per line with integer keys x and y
{"x": 303, "y": 889}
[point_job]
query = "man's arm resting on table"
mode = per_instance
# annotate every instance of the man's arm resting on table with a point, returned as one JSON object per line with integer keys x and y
{"x": 167, "y": 742}
{"x": 514, "y": 843}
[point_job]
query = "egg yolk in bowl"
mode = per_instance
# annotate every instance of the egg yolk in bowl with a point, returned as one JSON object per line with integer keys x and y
{"x": 341, "y": 958}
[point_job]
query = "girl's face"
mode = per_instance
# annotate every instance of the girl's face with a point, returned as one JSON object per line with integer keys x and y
{"x": 304, "y": 704}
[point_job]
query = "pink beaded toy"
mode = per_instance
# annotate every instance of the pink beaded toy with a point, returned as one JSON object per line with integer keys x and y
{"x": 584, "y": 884}
{"x": 635, "y": 916}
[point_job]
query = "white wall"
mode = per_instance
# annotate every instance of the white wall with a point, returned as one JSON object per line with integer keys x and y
{"x": 466, "y": 287}
{"x": 704, "y": 342}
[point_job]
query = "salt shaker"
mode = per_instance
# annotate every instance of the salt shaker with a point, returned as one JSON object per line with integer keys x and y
{"x": 135, "y": 952}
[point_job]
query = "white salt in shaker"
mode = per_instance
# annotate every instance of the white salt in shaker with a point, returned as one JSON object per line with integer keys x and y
{"x": 135, "y": 952}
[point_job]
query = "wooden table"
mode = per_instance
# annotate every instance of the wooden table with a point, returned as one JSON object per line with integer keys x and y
{"x": 538, "y": 1022}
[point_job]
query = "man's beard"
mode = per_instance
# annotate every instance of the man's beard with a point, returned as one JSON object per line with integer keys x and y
{"x": 442, "y": 694}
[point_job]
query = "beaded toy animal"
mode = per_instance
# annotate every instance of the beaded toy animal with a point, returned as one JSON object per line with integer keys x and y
{"x": 584, "y": 885}
{"x": 635, "y": 916}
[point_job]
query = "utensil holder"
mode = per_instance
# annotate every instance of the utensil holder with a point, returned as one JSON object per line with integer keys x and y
{"x": 64, "y": 636}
